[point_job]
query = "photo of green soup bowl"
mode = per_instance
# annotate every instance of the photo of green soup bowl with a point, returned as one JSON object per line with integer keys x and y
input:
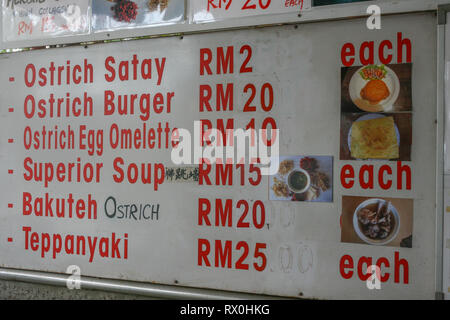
{"x": 298, "y": 181}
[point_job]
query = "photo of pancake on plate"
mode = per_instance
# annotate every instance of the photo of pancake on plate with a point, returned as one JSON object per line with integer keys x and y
{"x": 374, "y": 139}
{"x": 376, "y": 88}
{"x": 376, "y": 136}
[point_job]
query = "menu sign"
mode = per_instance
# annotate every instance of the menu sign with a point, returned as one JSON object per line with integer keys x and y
{"x": 330, "y": 2}
{"x": 277, "y": 161}
{"x": 40, "y": 19}
{"x": 213, "y": 10}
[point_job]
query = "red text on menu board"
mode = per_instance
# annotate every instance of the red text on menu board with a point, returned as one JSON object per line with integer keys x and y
{"x": 241, "y": 214}
{"x": 49, "y": 98}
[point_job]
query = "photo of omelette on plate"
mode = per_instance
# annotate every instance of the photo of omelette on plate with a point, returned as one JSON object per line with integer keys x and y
{"x": 374, "y": 138}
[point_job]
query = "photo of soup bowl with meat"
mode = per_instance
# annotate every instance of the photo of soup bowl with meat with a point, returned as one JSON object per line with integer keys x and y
{"x": 376, "y": 221}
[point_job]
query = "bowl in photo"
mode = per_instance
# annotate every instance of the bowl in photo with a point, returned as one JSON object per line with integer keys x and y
{"x": 376, "y": 221}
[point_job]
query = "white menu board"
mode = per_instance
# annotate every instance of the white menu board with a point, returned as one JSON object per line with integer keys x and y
{"x": 90, "y": 172}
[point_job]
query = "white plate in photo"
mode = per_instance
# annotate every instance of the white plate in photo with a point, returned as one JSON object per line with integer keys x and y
{"x": 357, "y": 83}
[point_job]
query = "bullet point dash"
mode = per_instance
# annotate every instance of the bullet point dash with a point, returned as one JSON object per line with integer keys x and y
{"x": 10, "y": 239}
{"x": 11, "y": 79}
{"x": 10, "y": 205}
{"x": 11, "y": 109}
{"x": 10, "y": 140}
{"x": 10, "y": 171}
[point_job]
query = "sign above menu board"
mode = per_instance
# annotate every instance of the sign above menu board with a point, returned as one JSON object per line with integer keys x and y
{"x": 43, "y": 19}
{"x": 40, "y": 19}
{"x": 113, "y": 15}
{"x": 214, "y": 10}
{"x": 331, "y": 2}
{"x": 35, "y": 23}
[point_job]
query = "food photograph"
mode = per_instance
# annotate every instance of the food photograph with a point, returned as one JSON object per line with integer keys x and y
{"x": 376, "y": 88}
{"x": 115, "y": 14}
{"x": 303, "y": 178}
{"x": 376, "y": 136}
{"x": 377, "y": 221}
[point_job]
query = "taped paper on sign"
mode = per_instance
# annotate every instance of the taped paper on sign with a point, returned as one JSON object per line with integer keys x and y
{"x": 112, "y": 15}
{"x": 30, "y": 20}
